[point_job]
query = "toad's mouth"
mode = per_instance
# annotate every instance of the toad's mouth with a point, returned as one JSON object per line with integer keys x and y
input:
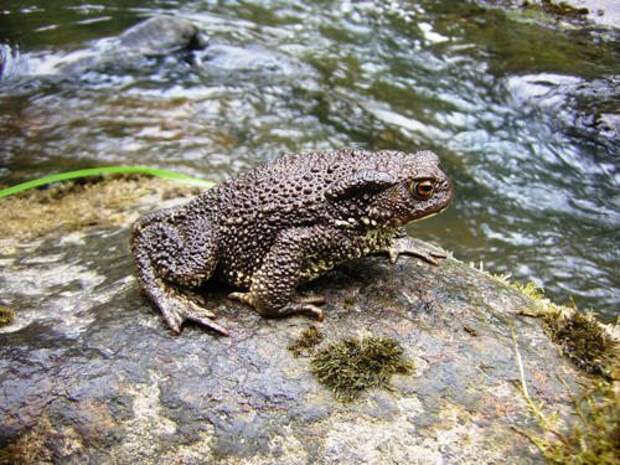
{"x": 430, "y": 215}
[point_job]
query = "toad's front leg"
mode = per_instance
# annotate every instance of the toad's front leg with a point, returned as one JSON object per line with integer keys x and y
{"x": 272, "y": 292}
{"x": 407, "y": 245}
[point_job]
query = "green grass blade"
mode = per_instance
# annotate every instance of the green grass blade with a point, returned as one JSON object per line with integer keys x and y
{"x": 165, "y": 174}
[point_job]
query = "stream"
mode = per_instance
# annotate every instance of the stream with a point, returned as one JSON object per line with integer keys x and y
{"x": 525, "y": 115}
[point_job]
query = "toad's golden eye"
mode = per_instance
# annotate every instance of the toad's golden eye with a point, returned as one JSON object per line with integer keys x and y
{"x": 423, "y": 189}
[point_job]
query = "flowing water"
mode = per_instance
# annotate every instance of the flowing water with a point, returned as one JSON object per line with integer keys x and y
{"x": 523, "y": 115}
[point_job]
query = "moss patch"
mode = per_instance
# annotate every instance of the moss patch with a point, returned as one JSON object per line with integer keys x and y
{"x": 351, "y": 366}
{"x": 7, "y": 316}
{"x": 71, "y": 206}
{"x": 587, "y": 342}
{"x": 584, "y": 341}
{"x": 594, "y": 436}
{"x": 558, "y": 8}
{"x": 306, "y": 342}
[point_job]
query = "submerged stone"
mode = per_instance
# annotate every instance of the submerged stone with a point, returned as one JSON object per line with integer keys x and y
{"x": 585, "y": 108}
{"x": 158, "y": 36}
{"x": 89, "y": 373}
{"x": 152, "y": 40}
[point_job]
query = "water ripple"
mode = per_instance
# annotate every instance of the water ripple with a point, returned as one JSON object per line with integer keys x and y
{"x": 525, "y": 118}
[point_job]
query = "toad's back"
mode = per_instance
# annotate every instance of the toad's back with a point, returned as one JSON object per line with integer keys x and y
{"x": 288, "y": 193}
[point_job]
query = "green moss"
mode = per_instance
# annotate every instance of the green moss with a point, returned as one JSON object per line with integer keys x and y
{"x": 529, "y": 289}
{"x": 307, "y": 340}
{"x": 71, "y": 206}
{"x": 351, "y": 366}
{"x": 580, "y": 336}
{"x": 593, "y": 433}
{"x": 559, "y": 8}
{"x": 583, "y": 340}
{"x": 594, "y": 437}
{"x": 6, "y": 316}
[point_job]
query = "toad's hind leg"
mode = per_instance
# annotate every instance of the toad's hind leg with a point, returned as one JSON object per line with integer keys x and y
{"x": 167, "y": 257}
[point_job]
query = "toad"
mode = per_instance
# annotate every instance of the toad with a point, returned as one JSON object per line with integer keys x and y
{"x": 284, "y": 223}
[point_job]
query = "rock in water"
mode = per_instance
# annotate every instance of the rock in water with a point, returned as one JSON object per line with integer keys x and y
{"x": 88, "y": 375}
{"x": 156, "y": 36}
{"x": 162, "y": 34}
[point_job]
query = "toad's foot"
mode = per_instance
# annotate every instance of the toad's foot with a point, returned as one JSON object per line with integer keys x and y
{"x": 177, "y": 309}
{"x": 409, "y": 246}
{"x": 306, "y": 305}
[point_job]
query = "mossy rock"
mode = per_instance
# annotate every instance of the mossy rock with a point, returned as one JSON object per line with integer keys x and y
{"x": 91, "y": 374}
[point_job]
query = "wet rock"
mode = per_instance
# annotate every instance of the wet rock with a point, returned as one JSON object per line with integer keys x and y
{"x": 604, "y": 13}
{"x": 158, "y": 36}
{"x": 581, "y": 107}
{"x": 162, "y": 34}
{"x": 90, "y": 374}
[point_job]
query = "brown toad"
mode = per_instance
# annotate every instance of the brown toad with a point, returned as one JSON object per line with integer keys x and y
{"x": 284, "y": 223}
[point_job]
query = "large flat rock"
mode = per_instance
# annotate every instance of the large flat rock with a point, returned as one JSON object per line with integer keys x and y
{"x": 90, "y": 374}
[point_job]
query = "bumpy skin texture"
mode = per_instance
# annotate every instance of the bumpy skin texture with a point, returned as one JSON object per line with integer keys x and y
{"x": 283, "y": 223}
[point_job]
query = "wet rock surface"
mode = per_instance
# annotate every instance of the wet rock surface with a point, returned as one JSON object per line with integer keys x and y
{"x": 583, "y": 107}
{"x": 90, "y": 374}
{"x": 589, "y": 109}
{"x": 154, "y": 37}
{"x": 603, "y": 13}
{"x": 179, "y": 43}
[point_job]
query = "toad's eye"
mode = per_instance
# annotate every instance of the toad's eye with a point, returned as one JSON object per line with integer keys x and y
{"x": 423, "y": 189}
